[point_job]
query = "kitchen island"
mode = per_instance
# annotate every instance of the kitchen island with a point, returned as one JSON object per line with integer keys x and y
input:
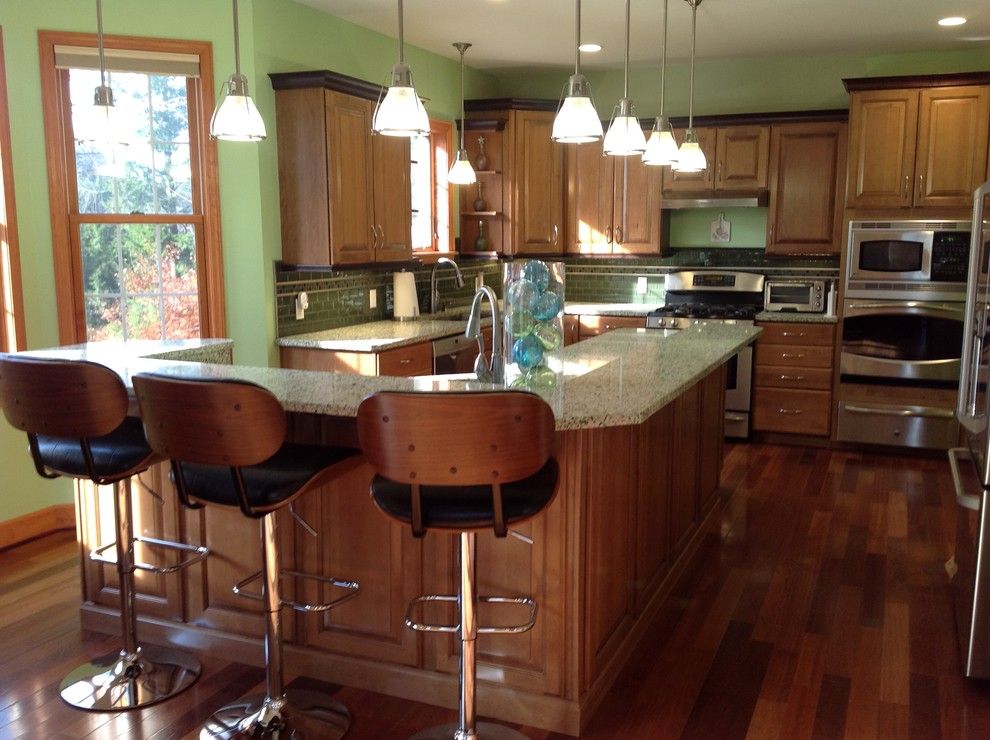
{"x": 639, "y": 442}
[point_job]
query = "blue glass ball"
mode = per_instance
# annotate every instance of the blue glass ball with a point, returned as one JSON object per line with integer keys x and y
{"x": 521, "y": 294}
{"x": 537, "y": 272}
{"x": 546, "y": 306}
{"x": 527, "y": 352}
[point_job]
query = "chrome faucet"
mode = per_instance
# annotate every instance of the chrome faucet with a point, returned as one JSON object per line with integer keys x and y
{"x": 494, "y": 372}
{"x": 434, "y": 291}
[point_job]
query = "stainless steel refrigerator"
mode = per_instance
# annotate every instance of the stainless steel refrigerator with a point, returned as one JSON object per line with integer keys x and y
{"x": 971, "y": 464}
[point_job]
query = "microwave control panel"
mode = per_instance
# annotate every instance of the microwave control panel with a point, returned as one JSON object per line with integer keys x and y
{"x": 950, "y": 256}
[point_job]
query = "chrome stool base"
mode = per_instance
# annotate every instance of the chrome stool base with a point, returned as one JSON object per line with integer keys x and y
{"x": 484, "y": 731}
{"x": 296, "y": 715}
{"x": 130, "y": 681}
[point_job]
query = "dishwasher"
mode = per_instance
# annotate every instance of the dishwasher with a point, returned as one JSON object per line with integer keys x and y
{"x": 454, "y": 354}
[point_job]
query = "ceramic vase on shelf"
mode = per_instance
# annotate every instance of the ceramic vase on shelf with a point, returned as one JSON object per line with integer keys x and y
{"x": 479, "y": 202}
{"x": 481, "y": 161}
{"x": 481, "y": 241}
{"x": 533, "y": 297}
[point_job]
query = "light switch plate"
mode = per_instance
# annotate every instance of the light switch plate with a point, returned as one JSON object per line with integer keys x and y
{"x": 642, "y": 285}
{"x": 372, "y": 298}
{"x": 479, "y": 282}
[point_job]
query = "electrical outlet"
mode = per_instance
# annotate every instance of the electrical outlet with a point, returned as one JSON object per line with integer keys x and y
{"x": 479, "y": 282}
{"x": 372, "y": 298}
{"x": 642, "y": 286}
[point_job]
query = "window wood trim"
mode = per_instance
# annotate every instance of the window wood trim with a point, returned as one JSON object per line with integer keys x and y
{"x": 442, "y": 133}
{"x": 69, "y": 290}
{"x": 12, "y": 334}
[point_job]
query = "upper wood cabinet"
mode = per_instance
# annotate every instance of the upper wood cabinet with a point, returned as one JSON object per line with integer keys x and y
{"x": 536, "y": 182}
{"x": 917, "y": 147}
{"x": 613, "y": 203}
{"x": 807, "y": 166}
{"x": 344, "y": 193}
{"x": 737, "y": 161}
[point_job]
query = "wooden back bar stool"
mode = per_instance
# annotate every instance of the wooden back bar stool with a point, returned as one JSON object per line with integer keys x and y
{"x": 75, "y": 416}
{"x": 461, "y": 462}
{"x": 226, "y": 443}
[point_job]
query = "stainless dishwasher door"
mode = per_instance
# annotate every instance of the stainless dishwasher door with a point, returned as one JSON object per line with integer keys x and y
{"x": 454, "y": 354}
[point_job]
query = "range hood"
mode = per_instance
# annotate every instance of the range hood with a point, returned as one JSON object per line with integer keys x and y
{"x": 716, "y": 201}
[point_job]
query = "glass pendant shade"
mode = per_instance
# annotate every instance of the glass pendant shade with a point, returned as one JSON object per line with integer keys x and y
{"x": 461, "y": 172}
{"x": 401, "y": 112}
{"x": 577, "y": 120}
{"x": 236, "y": 118}
{"x": 690, "y": 157}
{"x": 624, "y": 137}
{"x": 661, "y": 149}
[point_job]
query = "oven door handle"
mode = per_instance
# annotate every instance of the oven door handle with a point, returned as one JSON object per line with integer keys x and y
{"x": 908, "y": 308}
{"x": 927, "y": 413}
{"x": 966, "y": 500}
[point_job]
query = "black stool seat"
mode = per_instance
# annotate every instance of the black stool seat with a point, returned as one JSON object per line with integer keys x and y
{"x": 267, "y": 485}
{"x": 467, "y": 507}
{"x": 115, "y": 456}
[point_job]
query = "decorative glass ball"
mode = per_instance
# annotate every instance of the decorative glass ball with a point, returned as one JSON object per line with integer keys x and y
{"x": 521, "y": 293}
{"x": 527, "y": 352}
{"x": 520, "y": 323}
{"x": 546, "y": 306}
{"x": 549, "y": 335}
{"x": 537, "y": 272}
{"x": 541, "y": 378}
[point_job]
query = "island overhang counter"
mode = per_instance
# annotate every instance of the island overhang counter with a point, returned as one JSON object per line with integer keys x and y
{"x": 639, "y": 443}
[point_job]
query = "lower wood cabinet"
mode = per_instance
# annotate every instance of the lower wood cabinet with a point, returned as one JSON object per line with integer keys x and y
{"x": 792, "y": 388}
{"x": 412, "y": 359}
{"x": 592, "y": 326}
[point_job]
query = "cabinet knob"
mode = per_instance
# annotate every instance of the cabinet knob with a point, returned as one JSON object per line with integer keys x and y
{"x": 907, "y": 183}
{"x": 556, "y": 233}
{"x": 618, "y": 234}
{"x": 608, "y": 233}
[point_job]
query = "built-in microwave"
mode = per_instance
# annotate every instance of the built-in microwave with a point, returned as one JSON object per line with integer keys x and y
{"x": 901, "y": 259}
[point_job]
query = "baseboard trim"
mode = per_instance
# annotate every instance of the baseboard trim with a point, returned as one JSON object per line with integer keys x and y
{"x": 37, "y": 523}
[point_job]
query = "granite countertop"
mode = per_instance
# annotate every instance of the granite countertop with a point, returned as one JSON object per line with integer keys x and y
{"x": 797, "y": 318}
{"x": 619, "y": 378}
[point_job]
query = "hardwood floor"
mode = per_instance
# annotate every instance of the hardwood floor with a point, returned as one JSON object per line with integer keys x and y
{"x": 821, "y": 610}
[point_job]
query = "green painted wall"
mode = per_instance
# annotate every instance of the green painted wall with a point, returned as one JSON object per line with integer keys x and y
{"x": 692, "y": 227}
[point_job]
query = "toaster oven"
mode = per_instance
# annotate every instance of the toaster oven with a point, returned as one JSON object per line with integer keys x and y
{"x": 802, "y": 296}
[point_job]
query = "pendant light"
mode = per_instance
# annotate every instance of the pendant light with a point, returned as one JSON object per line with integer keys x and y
{"x": 577, "y": 121}
{"x": 661, "y": 149}
{"x": 624, "y": 137}
{"x": 236, "y": 117}
{"x": 400, "y": 112}
{"x": 104, "y": 112}
{"x": 690, "y": 158}
{"x": 461, "y": 172}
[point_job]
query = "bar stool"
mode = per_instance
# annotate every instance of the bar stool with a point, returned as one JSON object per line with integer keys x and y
{"x": 75, "y": 416}
{"x": 226, "y": 443}
{"x": 461, "y": 462}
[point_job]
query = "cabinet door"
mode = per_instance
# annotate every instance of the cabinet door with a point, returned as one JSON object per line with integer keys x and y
{"x": 741, "y": 157}
{"x": 952, "y": 145}
{"x": 636, "y": 219}
{"x": 538, "y": 207}
{"x": 693, "y": 182}
{"x": 883, "y": 126}
{"x": 806, "y": 173}
{"x": 589, "y": 202}
{"x": 349, "y": 170}
{"x": 393, "y": 200}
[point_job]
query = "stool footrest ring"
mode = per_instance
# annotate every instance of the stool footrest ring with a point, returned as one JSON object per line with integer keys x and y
{"x": 351, "y": 587}
{"x": 199, "y": 553}
{"x": 411, "y": 623}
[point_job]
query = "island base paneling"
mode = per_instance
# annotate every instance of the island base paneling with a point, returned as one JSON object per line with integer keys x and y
{"x": 603, "y": 561}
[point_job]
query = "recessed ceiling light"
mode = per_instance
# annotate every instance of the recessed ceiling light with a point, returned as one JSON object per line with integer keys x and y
{"x": 952, "y": 20}
{"x": 590, "y": 48}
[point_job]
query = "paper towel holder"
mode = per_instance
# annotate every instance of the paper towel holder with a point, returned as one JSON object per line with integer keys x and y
{"x": 405, "y": 302}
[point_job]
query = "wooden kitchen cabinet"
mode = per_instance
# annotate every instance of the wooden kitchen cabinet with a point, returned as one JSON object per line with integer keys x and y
{"x": 613, "y": 203}
{"x": 914, "y": 147}
{"x": 792, "y": 388}
{"x": 593, "y": 325}
{"x": 738, "y": 161}
{"x": 536, "y": 181}
{"x": 344, "y": 193}
{"x": 807, "y": 170}
{"x": 409, "y": 360}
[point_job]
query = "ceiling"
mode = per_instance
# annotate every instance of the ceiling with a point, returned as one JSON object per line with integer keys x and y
{"x": 540, "y": 33}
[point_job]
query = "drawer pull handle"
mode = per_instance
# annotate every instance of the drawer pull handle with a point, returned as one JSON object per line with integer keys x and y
{"x": 794, "y": 334}
{"x": 789, "y": 412}
{"x": 792, "y": 356}
{"x": 405, "y": 361}
{"x": 792, "y": 377}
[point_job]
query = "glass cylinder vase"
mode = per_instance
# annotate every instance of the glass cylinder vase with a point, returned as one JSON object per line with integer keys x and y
{"x": 533, "y": 292}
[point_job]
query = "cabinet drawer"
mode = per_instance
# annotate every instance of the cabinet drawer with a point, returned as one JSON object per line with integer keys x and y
{"x": 794, "y": 333}
{"x": 793, "y": 355}
{"x": 416, "y": 359}
{"x": 801, "y": 378}
{"x": 791, "y": 411}
{"x": 592, "y": 326}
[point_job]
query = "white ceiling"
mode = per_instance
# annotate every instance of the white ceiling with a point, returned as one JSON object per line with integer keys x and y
{"x": 540, "y": 33}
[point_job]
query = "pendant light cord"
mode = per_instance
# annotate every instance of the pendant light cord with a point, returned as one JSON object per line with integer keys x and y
{"x": 462, "y": 50}
{"x": 402, "y": 57}
{"x": 577, "y": 37}
{"x": 694, "y": 25}
{"x": 663, "y": 57}
{"x": 99, "y": 38}
{"x": 237, "y": 44}
{"x": 625, "y": 81}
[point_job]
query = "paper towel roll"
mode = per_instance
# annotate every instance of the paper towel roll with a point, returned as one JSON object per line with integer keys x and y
{"x": 405, "y": 304}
